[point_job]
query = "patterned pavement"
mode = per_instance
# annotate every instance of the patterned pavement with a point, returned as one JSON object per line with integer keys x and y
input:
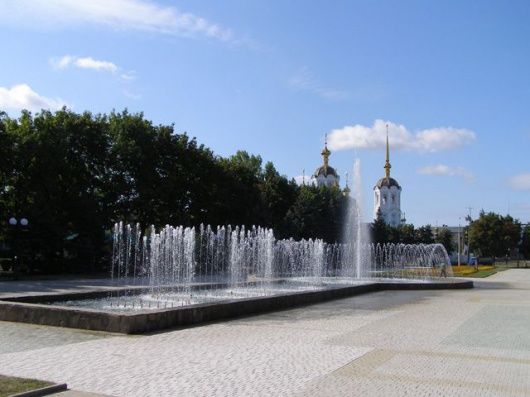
{"x": 400, "y": 343}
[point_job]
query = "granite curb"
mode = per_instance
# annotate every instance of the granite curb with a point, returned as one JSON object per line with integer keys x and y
{"x": 43, "y": 391}
{"x": 27, "y": 310}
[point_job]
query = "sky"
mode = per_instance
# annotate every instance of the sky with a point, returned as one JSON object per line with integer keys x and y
{"x": 450, "y": 79}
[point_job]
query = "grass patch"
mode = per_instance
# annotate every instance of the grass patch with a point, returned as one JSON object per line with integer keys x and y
{"x": 471, "y": 271}
{"x": 10, "y": 385}
{"x": 513, "y": 264}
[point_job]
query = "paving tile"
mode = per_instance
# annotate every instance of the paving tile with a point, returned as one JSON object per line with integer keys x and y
{"x": 398, "y": 343}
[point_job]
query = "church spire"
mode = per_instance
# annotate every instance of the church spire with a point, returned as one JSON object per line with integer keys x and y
{"x": 387, "y": 163}
{"x": 325, "y": 154}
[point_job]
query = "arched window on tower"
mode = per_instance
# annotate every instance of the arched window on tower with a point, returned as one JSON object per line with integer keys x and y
{"x": 393, "y": 199}
{"x": 384, "y": 199}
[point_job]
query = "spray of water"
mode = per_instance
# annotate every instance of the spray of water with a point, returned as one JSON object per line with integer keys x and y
{"x": 355, "y": 235}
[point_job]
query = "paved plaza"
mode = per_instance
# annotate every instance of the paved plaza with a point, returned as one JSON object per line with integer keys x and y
{"x": 392, "y": 343}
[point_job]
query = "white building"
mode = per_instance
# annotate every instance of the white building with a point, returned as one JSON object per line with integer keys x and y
{"x": 387, "y": 195}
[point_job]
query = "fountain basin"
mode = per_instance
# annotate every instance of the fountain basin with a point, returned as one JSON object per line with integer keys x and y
{"x": 51, "y": 309}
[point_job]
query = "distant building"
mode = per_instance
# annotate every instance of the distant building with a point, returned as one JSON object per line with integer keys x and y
{"x": 458, "y": 242}
{"x": 387, "y": 195}
{"x": 325, "y": 175}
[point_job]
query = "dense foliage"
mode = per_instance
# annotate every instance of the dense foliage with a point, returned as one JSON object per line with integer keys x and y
{"x": 494, "y": 235}
{"x": 525, "y": 242}
{"x": 74, "y": 175}
{"x": 491, "y": 235}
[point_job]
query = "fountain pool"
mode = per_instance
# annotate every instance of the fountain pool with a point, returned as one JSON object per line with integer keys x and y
{"x": 177, "y": 276}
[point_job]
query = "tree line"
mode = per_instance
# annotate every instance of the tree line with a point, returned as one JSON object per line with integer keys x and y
{"x": 72, "y": 175}
{"x": 495, "y": 235}
{"x": 490, "y": 235}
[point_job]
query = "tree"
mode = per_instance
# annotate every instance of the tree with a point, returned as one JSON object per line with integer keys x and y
{"x": 243, "y": 175}
{"x": 277, "y": 195}
{"x": 424, "y": 235}
{"x": 525, "y": 242}
{"x": 56, "y": 182}
{"x": 7, "y": 160}
{"x": 494, "y": 235}
{"x": 74, "y": 175}
{"x": 407, "y": 234}
{"x": 379, "y": 229}
{"x": 316, "y": 213}
{"x": 445, "y": 237}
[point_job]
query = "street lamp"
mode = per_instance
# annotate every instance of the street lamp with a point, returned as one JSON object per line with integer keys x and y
{"x": 459, "y": 239}
{"x": 14, "y": 221}
{"x": 17, "y": 225}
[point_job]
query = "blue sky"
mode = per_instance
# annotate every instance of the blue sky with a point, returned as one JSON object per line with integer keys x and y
{"x": 451, "y": 78}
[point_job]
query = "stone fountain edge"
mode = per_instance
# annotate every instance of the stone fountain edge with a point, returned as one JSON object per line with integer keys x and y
{"x": 27, "y": 309}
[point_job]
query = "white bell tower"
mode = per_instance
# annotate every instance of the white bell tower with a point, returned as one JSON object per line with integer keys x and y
{"x": 387, "y": 194}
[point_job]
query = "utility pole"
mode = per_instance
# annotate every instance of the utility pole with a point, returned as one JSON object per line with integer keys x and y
{"x": 469, "y": 209}
{"x": 459, "y": 239}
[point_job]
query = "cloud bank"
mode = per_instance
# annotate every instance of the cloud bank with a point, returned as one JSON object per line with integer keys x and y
{"x": 21, "y": 96}
{"x": 139, "y": 15}
{"x": 445, "y": 170}
{"x": 520, "y": 182}
{"x": 374, "y": 137}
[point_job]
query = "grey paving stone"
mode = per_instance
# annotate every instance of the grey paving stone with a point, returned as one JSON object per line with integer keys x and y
{"x": 391, "y": 343}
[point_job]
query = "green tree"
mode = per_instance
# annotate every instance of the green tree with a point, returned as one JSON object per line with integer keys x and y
{"x": 445, "y": 237}
{"x": 7, "y": 161}
{"x": 407, "y": 234}
{"x": 74, "y": 175}
{"x": 424, "y": 235}
{"x": 317, "y": 213}
{"x": 380, "y": 232}
{"x": 493, "y": 234}
{"x": 278, "y": 194}
{"x": 243, "y": 175}
{"x": 525, "y": 242}
{"x": 56, "y": 182}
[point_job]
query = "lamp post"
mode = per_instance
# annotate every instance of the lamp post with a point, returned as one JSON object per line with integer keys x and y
{"x": 17, "y": 225}
{"x": 459, "y": 239}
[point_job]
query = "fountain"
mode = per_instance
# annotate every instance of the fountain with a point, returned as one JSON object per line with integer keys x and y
{"x": 180, "y": 275}
{"x": 182, "y": 266}
{"x": 356, "y": 236}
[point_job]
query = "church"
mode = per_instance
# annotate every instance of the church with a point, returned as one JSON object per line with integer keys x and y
{"x": 387, "y": 195}
{"x": 387, "y": 191}
{"x": 326, "y": 175}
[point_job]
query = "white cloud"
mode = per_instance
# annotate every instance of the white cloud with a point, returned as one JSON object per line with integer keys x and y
{"x": 91, "y": 63}
{"x": 520, "y": 182}
{"x": 98, "y": 65}
{"x": 374, "y": 137}
{"x": 442, "y": 169}
{"x": 304, "y": 81}
{"x": 304, "y": 179}
{"x": 140, "y": 15}
{"x": 21, "y": 96}
{"x": 84, "y": 63}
